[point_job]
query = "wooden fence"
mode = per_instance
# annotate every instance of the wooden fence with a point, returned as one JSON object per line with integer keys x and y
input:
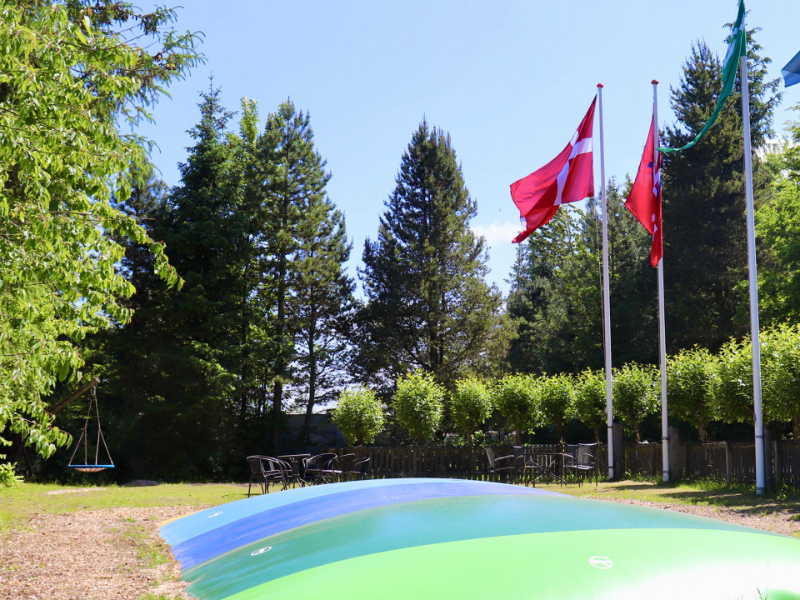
{"x": 732, "y": 462}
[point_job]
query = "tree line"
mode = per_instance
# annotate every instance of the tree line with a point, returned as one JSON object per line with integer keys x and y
{"x": 703, "y": 389}
{"x": 253, "y": 313}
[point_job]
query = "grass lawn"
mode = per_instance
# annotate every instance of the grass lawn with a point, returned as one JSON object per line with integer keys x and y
{"x": 703, "y": 493}
{"x": 24, "y": 499}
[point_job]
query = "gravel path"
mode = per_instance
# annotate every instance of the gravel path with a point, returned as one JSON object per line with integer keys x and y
{"x": 108, "y": 554}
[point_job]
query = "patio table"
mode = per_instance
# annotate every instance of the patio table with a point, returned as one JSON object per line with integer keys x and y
{"x": 296, "y": 460}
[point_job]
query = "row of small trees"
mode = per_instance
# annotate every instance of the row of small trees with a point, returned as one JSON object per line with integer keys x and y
{"x": 701, "y": 388}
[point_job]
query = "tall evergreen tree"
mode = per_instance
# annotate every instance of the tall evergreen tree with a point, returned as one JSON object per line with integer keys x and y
{"x": 704, "y": 201}
{"x": 178, "y": 362}
{"x": 325, "y": 310}
{"x": 538, "y": 300}
{"x": 428, "y": 305}
{"x": 303, "y": 246}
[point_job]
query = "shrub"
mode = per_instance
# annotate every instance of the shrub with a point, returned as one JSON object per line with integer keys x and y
{"x": 418, "y": 405}
{"x": 359, "y": 416}
{"x": 471, "y": 406}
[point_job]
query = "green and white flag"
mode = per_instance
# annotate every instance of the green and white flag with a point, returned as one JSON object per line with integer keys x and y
{"x": 737, "y": 47}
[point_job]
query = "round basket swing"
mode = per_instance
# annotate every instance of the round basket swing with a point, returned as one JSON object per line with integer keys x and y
{"x": 97, "y": 466}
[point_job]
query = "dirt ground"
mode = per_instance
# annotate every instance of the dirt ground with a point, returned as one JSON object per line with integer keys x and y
{"x": 107, "y": 554}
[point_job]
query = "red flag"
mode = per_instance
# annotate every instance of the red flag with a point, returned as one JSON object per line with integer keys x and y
{"x": 566, "y": 178}
{"x": 644, "y": 200}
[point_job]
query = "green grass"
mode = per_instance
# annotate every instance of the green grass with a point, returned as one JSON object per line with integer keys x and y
{"x": 705, "y": 493}
{"x": 19, "y": 502}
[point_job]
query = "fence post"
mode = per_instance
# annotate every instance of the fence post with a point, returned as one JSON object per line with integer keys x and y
{"x": 675, "y": 466}
{"x": 769, "y": 480}
{"x": 728, "y": 462}
{"x": 619, "y": 454}
{"x": 776, "y": 463}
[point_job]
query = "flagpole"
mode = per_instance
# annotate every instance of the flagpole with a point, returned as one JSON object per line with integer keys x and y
{"x": 662, "y": 335}
{"x": 606, "y": 300}
{"x": 753, "y": 277}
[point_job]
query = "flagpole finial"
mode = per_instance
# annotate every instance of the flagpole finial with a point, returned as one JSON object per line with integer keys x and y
{"x": 654, "y": 82}
{"x": 600, "y": 85}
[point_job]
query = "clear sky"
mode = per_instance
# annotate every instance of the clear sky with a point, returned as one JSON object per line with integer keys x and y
{"x": 509, "y": 80}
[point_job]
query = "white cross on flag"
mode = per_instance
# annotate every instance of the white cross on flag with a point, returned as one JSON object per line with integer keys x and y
{"x": 567, "y": 178}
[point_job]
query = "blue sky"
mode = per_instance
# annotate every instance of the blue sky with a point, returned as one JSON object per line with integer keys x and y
{"x": 509, "y": 80}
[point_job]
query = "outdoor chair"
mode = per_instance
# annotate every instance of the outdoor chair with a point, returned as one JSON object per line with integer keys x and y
{"x": 266, "y": 470}
{"x": 580, "y": 459}
{"x": 317, "y": 468}
{"x": 532, "y": 465}
{"x": 505, "y": 467}
{"x": 338, "y": 467}
{"x": 355, "y": 468}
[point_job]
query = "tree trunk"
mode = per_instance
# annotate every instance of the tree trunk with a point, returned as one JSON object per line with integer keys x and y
{"x": 312, "y": 386}
{"x": 702, "y": 433}
{"x": 519, "y": 436}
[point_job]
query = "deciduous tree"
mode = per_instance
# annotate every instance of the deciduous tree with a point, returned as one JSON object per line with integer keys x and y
{"x": 69, "y": 76}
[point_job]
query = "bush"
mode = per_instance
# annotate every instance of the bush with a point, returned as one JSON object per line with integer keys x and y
{"x": 418, "y": 405}
{"x": 515, "y": 398}
{"x": 359, "y": 416}
{"x": 471, "y": 406}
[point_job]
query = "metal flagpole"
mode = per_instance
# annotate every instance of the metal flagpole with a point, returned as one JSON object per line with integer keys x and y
{"x": 661, "y": 327}
{"x": 606, "y": 302}
{"x": 751, "y": 263}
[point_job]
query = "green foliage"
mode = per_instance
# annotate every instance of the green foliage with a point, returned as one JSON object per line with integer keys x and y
{"x": 555, "y": 398}
{"x": 780, "y": 358}
{"x": 590, "y": 399}
{"x": 428, "y": 305}
{"x": 418, "y": 404}
{"x": 690, "y": 376}
{"x": 635, "y": 395}
{"x": 556, "y": 285}
{"x": 305, "y": 251}
{"x": 515, "y": 398}
{"x": 69, "y": 77}
{"x": 732, "y": 387}
{"x": 359, "y": 416}
{"x": 470, "y": 406}
{"x": 704, "y": 201}
{"x": 778, "y": 230}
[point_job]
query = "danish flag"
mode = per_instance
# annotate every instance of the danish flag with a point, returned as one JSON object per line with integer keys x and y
{"x": 567, "y": 178}
{"x": 644, "y": 199}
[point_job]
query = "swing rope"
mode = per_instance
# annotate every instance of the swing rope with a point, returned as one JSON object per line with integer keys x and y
{"x": 96, "y": 467}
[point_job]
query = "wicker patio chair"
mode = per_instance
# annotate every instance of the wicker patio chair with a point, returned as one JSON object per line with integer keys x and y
{"x": 580, "y": 459}
{"x": 317, "y": 468}
{"x": 505, "y": 467}
{"x": 266, "y": 470}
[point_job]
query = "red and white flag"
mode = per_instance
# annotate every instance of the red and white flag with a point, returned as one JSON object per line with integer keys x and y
{"x": 567, "y": 178}
{"x": 644, "y": 199}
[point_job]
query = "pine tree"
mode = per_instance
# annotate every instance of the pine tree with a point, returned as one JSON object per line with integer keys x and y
{"x": 325, "y": 309}
{"x": 428, "y": 306}
{"x": 303, "y": 247}
{"x": 704, "y": 202}
{"x": 182, "y": 345}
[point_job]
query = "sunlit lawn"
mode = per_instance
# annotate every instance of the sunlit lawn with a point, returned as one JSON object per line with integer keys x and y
{"x": 25, "y": 499}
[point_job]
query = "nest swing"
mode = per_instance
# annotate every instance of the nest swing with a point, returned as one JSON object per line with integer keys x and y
{"x": 97, "y": 466}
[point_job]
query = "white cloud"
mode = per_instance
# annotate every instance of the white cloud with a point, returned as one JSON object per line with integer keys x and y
{"x": 498, "y": 232}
